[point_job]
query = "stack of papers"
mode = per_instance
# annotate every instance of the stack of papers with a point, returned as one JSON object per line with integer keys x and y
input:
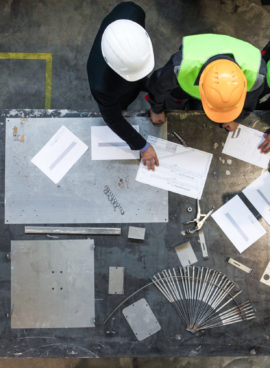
{"x": 181, "y": 170}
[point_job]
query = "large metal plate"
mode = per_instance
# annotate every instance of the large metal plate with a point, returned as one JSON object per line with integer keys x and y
{"x": 52, "y": 284}
{"x": 31, "y": 197}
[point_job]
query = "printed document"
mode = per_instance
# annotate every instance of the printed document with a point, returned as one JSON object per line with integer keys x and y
{"x": 181, "y": 170}
{"x": 238, "y": 223}
{"x": 258, "y": 193}
{"x": 57, "y": 157}
{"x": 106, "y": 145}
{"x": 243, "y": 144}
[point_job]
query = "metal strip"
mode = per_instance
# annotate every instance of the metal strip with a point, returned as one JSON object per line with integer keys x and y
{"x": 203, "y": 244}
{"x": 72, "y": 230}
{"x": 239, "y": 265}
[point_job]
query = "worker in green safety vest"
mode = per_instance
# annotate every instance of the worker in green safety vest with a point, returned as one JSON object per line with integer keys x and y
{"x": 223, "y": 75}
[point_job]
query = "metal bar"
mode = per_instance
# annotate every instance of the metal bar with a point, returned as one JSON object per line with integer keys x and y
{"x": 72, "y": 230}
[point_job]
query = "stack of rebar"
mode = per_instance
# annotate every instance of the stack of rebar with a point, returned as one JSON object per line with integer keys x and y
{"x": 200, "y": 295}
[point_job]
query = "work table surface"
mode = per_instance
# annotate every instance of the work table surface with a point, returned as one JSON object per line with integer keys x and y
{"x": 227, "y": 177}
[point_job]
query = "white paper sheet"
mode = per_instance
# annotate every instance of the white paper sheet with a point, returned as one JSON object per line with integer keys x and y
{"x": 106, "y": 145}
{"x": 57, "y": 157}
{"x": 181, "y": 170}
{"x": 238, "y": 223}
{"x": 243, "y": 144}
{"x": 258, "y": 193}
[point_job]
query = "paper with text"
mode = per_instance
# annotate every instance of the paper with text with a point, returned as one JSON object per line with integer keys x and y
{"x": 238, "y": 223}
{"x": 181, "y": 170}
{"x": 243, "y": 144}
{"x": 61, "y": 152}
{"x": 106, "y": 145}
{"x": 258, "y": 193}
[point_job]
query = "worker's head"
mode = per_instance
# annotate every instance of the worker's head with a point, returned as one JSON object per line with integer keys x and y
{"x": 127, "y": 49}
{"x": 223, "y": 89}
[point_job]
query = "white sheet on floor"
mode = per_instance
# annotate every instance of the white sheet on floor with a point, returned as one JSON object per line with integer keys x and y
{"x": 181, "y": 170}
{"x": 258, "y": 193}
{"x": 58, "y": 156}
{"x": 238, "y": 223}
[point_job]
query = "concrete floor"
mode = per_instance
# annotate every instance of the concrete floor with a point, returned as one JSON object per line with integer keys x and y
{"x": 66, "y": 29}
{"x": 218, "y": 362}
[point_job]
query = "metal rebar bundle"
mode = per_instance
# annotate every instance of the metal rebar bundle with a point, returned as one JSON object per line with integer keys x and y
{"x": 200, "y": 295}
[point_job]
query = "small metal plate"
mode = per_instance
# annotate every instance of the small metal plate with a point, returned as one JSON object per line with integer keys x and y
{"x": 203, "y": 244}
{"x": 186, "y": 254}
{"x": 265, "y": 279}
{"x": 116, "y": 280}
{"x": 141, "y": 319}
{"x": 52, "y": 284}
{"x": 137, "y": 233}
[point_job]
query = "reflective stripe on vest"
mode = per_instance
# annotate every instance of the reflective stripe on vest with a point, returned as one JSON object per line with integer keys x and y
{"x": 199, "y": 48}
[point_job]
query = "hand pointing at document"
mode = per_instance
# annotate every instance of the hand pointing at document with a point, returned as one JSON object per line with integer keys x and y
{"x": 149, "y": 158}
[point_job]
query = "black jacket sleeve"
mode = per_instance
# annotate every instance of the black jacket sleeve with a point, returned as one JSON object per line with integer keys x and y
{"x": 160, "y": 84}
{"x": 112, "y": 115}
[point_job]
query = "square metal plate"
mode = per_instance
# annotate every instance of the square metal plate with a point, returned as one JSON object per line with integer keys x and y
{"x": 52, "y": 283}
{"x": 32, "y": 198}
{"x": 141, "y": 319}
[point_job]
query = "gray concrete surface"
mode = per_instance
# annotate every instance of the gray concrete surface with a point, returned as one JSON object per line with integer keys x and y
{"x": 217, "y": 362}
{"x": 66, "y": 29}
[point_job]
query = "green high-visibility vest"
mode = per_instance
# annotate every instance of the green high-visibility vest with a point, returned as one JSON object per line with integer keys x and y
{"x": 268, "y": 73}
{"x": 198, "y": 49}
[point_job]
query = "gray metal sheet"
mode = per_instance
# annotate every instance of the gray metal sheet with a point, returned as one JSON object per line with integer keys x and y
{"x": 141, "y": 319}
{"x": 52, "y": 284}
{"x": 31, "y": 197}
{"x": 116, "y": 280}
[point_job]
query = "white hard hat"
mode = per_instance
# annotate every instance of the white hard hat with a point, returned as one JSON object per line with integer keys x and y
{"x": 127, "y": 49}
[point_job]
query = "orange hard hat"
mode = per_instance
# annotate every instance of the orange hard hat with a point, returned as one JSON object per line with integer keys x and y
{"x": 223, "y": 89}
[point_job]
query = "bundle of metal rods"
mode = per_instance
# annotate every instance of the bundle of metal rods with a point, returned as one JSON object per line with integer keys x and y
{"x": 200, "y": 295}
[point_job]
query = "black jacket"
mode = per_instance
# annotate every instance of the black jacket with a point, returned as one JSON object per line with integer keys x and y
{"x": 113, "y": 93}
{"x": 163, "y": 82}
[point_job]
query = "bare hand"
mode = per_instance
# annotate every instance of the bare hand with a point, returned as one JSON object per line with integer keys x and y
{"x": 265, "y": 146}
{"x": 230, "y": 127}
{"x": 149, "y": 158}
{"x": 157, "y": 118}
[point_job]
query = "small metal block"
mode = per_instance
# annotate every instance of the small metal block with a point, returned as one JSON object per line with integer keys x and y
{"x": 136, "y": 233}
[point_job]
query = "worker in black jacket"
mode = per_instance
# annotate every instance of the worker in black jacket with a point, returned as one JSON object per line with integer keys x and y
{"x": 119, "y": 61}
{"x": 222, "y": 75}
